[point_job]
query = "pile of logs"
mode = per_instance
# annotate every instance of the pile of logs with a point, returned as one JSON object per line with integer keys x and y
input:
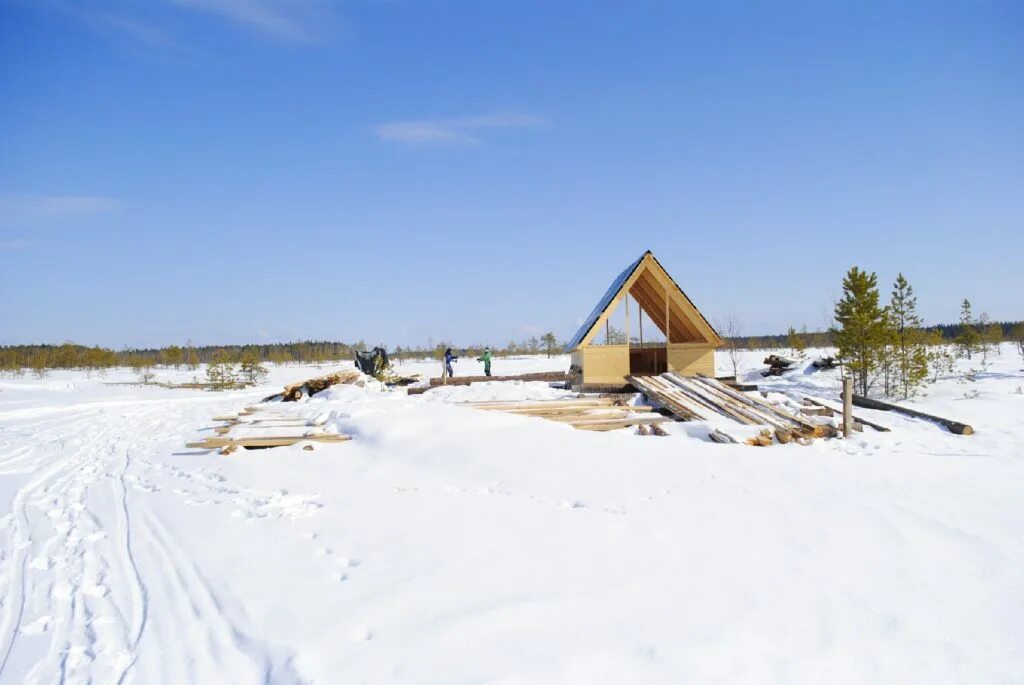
{"x": 705, "y": 399}
{"x": 587, "y": 413}
{"x": 311, "y": 386}
{"x": 777, "y": 365}
{"x": 259, "y": 427}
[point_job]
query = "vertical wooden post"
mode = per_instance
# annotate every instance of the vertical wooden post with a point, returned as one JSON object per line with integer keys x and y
{"x": 847, "y": 406}
{"x": 627, "y": 318}
{"x": 643, "y": 355}
{"x": 668, "y": 328}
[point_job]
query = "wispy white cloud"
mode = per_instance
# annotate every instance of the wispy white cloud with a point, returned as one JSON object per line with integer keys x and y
{"x": 160, "y": 23}
{"x": 36, "y": 208}
{"x": 421, "y": 132}
{"x": 464, "y": 129}
{"x": 299, "y": 20}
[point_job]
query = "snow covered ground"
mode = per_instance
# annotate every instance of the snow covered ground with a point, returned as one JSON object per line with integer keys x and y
{"x": 446, "y": 544}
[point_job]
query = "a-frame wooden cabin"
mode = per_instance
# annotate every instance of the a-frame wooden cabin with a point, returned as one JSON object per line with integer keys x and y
{"x": 690, "y": 341}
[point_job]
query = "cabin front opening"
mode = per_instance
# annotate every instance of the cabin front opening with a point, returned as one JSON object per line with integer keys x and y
{"x": 648, "y": 348}
{"x": 647, "y": 359}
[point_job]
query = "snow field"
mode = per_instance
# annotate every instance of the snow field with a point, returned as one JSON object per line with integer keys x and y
{"x": 447, "y": 544}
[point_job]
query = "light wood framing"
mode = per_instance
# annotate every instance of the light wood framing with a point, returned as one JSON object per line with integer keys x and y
{"x": 690, "y": 339}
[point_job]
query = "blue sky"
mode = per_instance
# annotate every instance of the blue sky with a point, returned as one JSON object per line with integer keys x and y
{"x": 245, "y": 170}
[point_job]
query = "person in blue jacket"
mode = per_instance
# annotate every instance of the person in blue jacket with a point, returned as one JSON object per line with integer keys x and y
{"x": 448, "y": 359}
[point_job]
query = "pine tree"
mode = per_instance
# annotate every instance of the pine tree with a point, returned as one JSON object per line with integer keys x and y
{"x": 143, "y": 367}
{"x": 989, "y": 336}
{"x": 550, "y": 342}
{"x": 967, "y": 341}
{"x": 940, "y": 360}
{"x": 220, "y": 372}
{"x": 615, "y": 336}
{"x": 994, "y": 336}
{"x": 39, "y": 366}
{"x": 862, "y": 327}
{"x": 796, "y": 343}
{"x": 173, "y": 356}
{"x": 1017, "y": 336}
{"x": 191, "y": 358}
{"x": 910, "y": 356}
{"x": 251, "y": 368}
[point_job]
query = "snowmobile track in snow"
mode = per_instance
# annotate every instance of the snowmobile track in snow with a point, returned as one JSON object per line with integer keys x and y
{"x": 87, "y": 567}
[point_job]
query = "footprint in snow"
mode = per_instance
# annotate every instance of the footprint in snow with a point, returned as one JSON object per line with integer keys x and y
{"x": 78, "y": 656}
{"x": 42, "y": 563}
{"x": 62, "y": 590}
{"x": 36, "y": 627}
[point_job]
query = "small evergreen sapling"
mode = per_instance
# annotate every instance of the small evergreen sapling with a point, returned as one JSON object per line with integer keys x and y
{"x": 1017, "y": 335}
{"x": 796, "y": 343}
{"x": 862, "y": 327}
{"x": 550, "y": 342}
{"x": 967, "y": 341}
{"x": 910, "y": 355}
{"x": 941, "y": 360}
{"x": 220, "y": 372}
{"x": 251, "y": 368}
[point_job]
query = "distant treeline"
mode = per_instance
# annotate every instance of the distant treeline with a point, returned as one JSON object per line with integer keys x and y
{"x": 948, "y": 331}
{"x": 39, "y": 358}
{"x": 69, "y": 355}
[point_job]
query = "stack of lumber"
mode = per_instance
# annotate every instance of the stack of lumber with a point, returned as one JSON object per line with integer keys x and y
{"x": 311, "y": 386}
{"x": 585, "y": 413}
{"x": 705, "y": 399}
{"x": 546, "y": 376}
{"x": 260, "y": 427}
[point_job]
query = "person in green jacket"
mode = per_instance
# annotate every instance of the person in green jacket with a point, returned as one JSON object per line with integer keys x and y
{"x": 486, "y": 359}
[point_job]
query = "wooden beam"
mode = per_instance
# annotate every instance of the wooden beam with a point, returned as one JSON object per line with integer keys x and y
{"x": 687, "y": 308}
{"x": 951, "y": 426}
{"x": 613, "y": 305}
{"x": 537, "y": 403}
{"x": 650, "y": 299}
{"x": 628, "y": 421}
{"x": 627, "y": 319}
{"x": 268, "y": 441}
{"x": 668, "y": 327}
